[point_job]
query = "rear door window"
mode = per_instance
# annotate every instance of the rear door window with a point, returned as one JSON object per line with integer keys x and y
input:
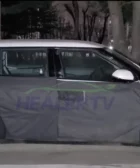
{"x": 24, "y": 62}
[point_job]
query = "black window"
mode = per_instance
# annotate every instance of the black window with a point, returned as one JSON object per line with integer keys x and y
{"x": 24, "y": 62}
{"x": 89, "y": 64}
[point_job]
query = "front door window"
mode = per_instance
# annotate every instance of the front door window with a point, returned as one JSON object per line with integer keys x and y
{"x": 86, "y": 65}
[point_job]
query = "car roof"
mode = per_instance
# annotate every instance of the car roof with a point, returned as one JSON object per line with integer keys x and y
{"x": 49, "y": 43}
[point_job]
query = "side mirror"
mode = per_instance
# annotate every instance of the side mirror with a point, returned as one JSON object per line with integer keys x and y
{"x": 123, "y": 75}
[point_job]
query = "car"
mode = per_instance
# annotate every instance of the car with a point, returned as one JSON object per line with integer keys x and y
{"x": 67, "y": 90}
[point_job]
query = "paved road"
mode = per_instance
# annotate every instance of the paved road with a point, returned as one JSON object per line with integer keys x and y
{"x": 69, "y": 166}
{"x": 35, "y": 154}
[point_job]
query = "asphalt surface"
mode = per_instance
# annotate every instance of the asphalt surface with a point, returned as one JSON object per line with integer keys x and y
{"x": 36, "y": 154}
{"x": 69, "y": 166}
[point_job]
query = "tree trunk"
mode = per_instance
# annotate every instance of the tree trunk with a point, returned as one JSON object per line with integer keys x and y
{"x": 104, "y": 30}
{"x": 76, "y": 15}
{"x": 127, "y": 31}
{"x": 91, "y": 22}
{"x": 74, "y": 12}
{"x": 84, "y": 22}
{"x": 118, "y": 29}
{"x": 0, "y": 19}
{"x": 136, "y": 32}
{"x": 84, "y": 25}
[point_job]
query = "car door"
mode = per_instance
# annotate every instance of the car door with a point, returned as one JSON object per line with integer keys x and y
{"x": 28, "y": 106}
{"x": 92, "y": 107}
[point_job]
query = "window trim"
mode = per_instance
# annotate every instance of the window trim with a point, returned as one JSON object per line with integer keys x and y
{"x": 80, "y": 80}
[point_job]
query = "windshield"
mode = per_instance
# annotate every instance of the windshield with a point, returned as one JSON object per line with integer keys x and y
{"x": 96, "y": 64}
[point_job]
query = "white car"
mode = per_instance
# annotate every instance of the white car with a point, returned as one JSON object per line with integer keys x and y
{"x": 66, "y": 90}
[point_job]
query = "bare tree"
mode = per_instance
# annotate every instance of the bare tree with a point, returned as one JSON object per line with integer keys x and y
{"x": 135, "y": 31}
{"x": 98, "y": 11}
{"x": 84, "y": 12}
{"x": 100, "y": 31}
{"x": 74, "y": 13}
{"x": 91, "y": 23}
{"x": 118, "y": 29}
